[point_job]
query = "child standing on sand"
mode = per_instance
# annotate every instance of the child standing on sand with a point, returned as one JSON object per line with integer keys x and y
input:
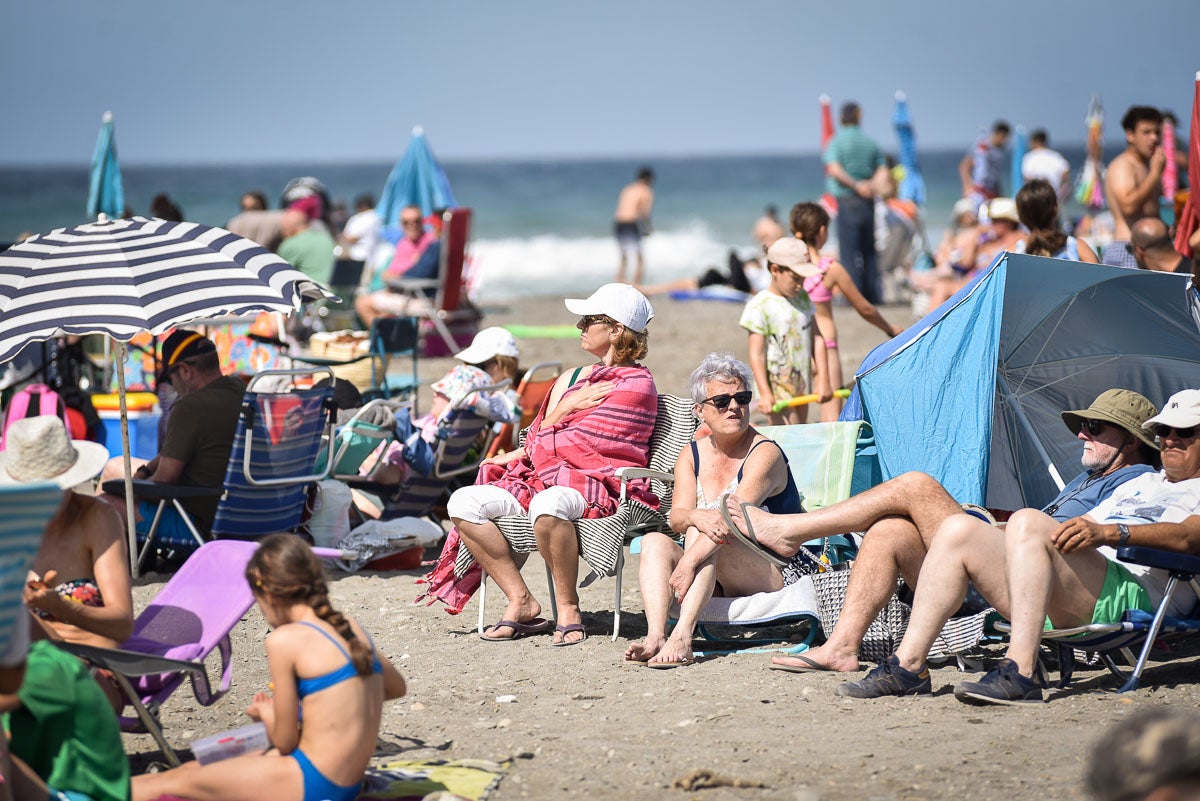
{"x": 329, "y": 687}
{"x": 780, "y": 322}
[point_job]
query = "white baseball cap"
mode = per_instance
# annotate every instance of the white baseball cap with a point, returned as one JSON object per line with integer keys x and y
{"x": 488, "y": 343}
{"x": 1182, "y": 410}
{"x": 621, "y": 302}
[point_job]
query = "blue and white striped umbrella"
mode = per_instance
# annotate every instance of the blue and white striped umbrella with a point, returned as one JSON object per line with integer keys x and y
{"x": 120, "y": 277}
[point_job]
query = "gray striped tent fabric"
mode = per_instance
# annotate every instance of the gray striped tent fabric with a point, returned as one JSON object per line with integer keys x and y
{"x": 121, "y": 277}
{"x": 601, "y": 540}
{"x": 24, "y": 510}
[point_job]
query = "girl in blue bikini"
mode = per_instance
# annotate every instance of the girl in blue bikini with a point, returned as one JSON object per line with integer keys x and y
{"x": 324, "y": 671}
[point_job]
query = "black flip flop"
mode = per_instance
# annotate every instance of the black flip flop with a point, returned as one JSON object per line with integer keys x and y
{"x": 530, "y": 627}
{"x": 747, "y": 537}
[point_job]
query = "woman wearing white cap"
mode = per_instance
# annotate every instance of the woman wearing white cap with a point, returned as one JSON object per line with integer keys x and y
{"x": 80, "y": 586}
{"x": 595, "y": 420}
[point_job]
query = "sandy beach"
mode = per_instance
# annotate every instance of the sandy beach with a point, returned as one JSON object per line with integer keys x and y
{"x": 583, "y": 725}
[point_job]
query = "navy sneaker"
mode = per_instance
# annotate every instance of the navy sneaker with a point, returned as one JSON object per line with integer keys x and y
{"x": 887, "y": 678}
{"x": 1004, "y": 684}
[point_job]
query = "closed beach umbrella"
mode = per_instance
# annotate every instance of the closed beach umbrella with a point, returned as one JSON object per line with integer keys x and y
{"x": 1090, "y": 189}
{"x": 416, "y": 180}
{"x": 826, "y": 120}
{"x": 1020, "y": 148}
{"x": 121, "y": 277}
{"x": 106, "y": 194}
{"x": 1189, "y": 218}
{"x": 1170, "y": 176}
{"x": 912, "y": 187}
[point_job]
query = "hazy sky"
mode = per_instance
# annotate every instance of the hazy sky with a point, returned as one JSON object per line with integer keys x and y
{"x": 313, "y": 80}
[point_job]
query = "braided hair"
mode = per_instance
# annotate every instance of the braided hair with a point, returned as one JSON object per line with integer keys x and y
{"x": 287, "y": 570}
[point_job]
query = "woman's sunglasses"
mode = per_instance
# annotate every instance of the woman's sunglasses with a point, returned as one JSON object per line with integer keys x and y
{"x": 589, "y": 320}
{"x": 1183, "y": 433}
{"x": 721, "y": 402}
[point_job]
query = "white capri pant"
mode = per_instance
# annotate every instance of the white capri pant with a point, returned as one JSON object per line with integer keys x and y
{"x": 483, "y": 502}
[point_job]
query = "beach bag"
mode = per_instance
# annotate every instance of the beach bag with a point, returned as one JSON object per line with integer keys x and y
{"x": 885, "y": 631}
{"x": 442, "y": 585}
{"x": 35, "y": 400}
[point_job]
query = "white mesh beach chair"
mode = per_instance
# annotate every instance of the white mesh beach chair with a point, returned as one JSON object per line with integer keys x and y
{"x": 602, "y": 541}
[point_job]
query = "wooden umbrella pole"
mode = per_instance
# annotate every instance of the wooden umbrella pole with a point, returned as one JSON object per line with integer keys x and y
{"x": 130, "y": 515}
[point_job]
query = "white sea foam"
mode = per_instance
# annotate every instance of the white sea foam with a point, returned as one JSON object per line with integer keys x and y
{"x": 553, "y": 265}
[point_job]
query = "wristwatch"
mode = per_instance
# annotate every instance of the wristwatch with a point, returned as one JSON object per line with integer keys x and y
{"x": 1122, "y": 535}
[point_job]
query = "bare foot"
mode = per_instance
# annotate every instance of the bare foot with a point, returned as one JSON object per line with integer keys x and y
{"x": 520, "y": 611}
{"x": 673, "y": 651}
{"x": 838, "y": 661}
{"x": 766, "y": 527}
{"x": 645, "y": 650}
{"x": 566, "y": 616}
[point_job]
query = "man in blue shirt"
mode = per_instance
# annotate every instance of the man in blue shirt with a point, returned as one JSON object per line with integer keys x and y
{"x": 902, "y": 516}
{"x": 853, "y": 165}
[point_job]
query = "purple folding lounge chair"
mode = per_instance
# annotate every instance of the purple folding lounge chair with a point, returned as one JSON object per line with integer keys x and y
{"x": 192, "y": 615}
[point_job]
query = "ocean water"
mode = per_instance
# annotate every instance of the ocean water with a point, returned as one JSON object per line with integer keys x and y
{"x": 541, "y": 227}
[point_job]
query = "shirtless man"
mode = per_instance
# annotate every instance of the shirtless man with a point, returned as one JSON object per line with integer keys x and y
{"x": 767, "y": 229}
{"x": 1133, "y": 181}
{"x": 631, "y": 221}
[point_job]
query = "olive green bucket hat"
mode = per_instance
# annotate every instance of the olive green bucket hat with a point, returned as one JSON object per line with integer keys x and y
{"x": 1121, "y": 407}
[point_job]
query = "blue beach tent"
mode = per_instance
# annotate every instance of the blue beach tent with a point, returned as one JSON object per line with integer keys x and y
{"x": 972, "y": 393}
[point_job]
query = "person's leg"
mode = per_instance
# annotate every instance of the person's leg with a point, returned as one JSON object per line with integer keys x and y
{"x": 1043, "y": 582}
{"x": 917, "y": 496}
{"x": 639, "y": 273}
{"x": 678, "y": 647}
{"x": 872, "y": 280}
{"x": 659, "y": 556}
{"x": 365, "y": 310}
{"x": 963, "y": 549}
{"x": 244, "y": 778}
{"x": 472, "y": 510}
{"x": 846, "y": 223}
{"x": 553, "y": 512}
{"x": 892, "y": 547}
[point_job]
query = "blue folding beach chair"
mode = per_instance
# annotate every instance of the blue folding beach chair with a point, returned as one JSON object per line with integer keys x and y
{"x": 1136, "y": 627}
{"x": 271, "y": 465}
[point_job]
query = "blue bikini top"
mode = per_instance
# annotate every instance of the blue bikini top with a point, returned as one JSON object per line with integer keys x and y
{"x": 305, "y": 687}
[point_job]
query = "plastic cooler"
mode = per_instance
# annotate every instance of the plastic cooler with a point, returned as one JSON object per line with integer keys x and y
{"x": 143, "y": 423}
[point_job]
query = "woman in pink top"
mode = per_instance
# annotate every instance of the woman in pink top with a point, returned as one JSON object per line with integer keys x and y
{"x": 810, "y": 223}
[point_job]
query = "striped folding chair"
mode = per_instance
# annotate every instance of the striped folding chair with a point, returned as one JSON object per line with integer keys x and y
{"x": 602, "y": 541}
{"x": 271, "y": 465}
{"x": 27, "y": 508}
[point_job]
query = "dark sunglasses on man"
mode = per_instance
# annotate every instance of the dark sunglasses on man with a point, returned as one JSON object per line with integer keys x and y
{"x": 1162, "y": 432}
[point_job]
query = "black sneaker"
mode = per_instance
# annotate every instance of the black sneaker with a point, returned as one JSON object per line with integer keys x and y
{"x": 1004, "y": 684}
{"x": 888, "y": 678}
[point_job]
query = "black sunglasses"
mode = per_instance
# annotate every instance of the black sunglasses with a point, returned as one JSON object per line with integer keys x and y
{"x": 1093, "y": 427}
{"x": 1183, "y": 433}
{"x": 721, "y": 402}
{"x": 588, "y": 320}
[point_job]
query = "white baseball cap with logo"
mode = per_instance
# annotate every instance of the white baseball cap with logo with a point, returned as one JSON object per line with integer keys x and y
{"x": 1182, "y": 410}
{"x": 621, "y": 302}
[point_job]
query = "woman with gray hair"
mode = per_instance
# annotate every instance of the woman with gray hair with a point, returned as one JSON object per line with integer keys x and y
{"x": 729, "y": 459}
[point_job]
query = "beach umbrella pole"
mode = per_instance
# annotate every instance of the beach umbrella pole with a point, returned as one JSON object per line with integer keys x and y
{"x": 129, "y": 511}
{"x": 1019, "y": 414}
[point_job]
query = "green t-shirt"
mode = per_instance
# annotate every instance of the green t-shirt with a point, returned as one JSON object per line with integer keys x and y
{"x": 200, "y": 434}
{"x": 310, "y": 252}
{"x": 857, "y": 153}
{"x": 65, "y": 729}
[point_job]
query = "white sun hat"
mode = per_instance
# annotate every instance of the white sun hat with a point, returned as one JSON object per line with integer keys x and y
{"x": 39, "y": 449}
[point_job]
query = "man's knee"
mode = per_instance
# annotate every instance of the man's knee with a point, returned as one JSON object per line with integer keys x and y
{"x": 1029, "y": 527}
{"x": 961, "y": 532}
{"x": 920, "y": 486}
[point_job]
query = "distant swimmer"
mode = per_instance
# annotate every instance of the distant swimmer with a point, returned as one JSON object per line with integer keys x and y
{"x": 1133, "y": 181}
{"x": 767, "y": 229}
{"x": 632, "y": 222}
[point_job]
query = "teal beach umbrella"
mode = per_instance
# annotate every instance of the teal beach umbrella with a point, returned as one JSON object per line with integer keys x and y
{"x": 912, "y": 187}
{"x": 416, "y": 180}
{"x": 106, "y": 194}
{"x": 1020, "y": 148}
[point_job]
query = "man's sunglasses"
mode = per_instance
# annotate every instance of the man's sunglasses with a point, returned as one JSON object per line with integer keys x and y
{"x": 416, "y": 221}
{"x": 1183, "y": 433}
{"x": 1093, "y": 427}
{"x": 721, "y": 402}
